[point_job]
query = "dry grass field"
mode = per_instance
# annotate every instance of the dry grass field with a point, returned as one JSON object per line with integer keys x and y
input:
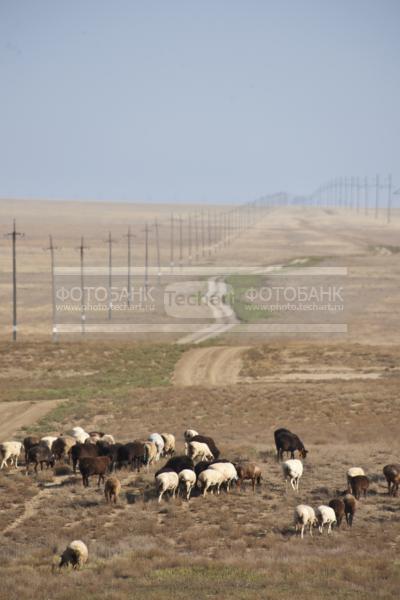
{"x": 241, "y": 544}
{"x": 339, "y": 393}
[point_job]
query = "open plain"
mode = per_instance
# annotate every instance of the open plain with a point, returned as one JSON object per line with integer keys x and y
{"x": 338, "y": 391}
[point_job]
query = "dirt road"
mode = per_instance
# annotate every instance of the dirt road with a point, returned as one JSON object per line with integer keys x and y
{"x": 209, "y": 366}
{"x": 14, "y": 415}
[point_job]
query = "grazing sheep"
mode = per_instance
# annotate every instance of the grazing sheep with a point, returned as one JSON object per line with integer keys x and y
{"x": 199, "y": 451}
{"x": 98, "y": 465}
{"x": 79, "y": 434}
{"x": 189, "y": 434}
{"x": 304, "y": 515}
{"x": 110, "y": 450}
{"x": 169, "y": 444}
{"x": 177, "y": 464}
{"x": 151, "y": 453}
{"x": 10, "y": 450}
{"x": 31, "y": 440}
{"x": 167, "y": 481}
{"x": 359, "y": 485}
{"x": 210, "y": 479}
{"x": 228, "y": 471}
{"x": 338, "y": 506}
{"x": 353, "y": 472}
{"x": 75, "y": 555}
{"x": 80, "y": 451}
{"x": 40, "y": 455}
{"x": 204, "y": 439}
{"x": 350, "y": 506}
{"x": 292, "y": 470}
{"x": 159, "y": 442}
{"x": 249, "y": 471}
{"x": 325, "y": 516}
{"x": 187, "y": 480}
{"x": 48, "y": 440}
{"x": 112, "y": 489}
{"x": 286, "y": 441}
{"x": 132, "y": 454}
{"x": 392, "y": 475}
{"x": 61, "y": 447}
{"x": 202, "y": 466}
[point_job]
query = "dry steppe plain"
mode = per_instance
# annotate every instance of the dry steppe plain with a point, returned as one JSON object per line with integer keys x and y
{"x": 340, "y": 393}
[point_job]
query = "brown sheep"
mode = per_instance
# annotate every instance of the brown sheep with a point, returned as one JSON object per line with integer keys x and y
{"x": 350, "y": 505}
{"x": 248, "y": 471}
{"x": 392, "y": 475}
{"x": 112, "y": 489}
{"x": 359, "y": 485}
{"x": 338, "y": 506}
{"x": 97, "y": 465}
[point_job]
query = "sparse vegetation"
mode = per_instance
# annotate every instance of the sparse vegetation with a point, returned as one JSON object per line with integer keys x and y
{"x": 241, "y": 544}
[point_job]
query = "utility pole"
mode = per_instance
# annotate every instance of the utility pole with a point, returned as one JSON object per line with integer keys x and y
{"x": 357, "y": 193}
{"x": 215, "y": 232}
{"x": 82, "y": 249}
{"x": 109, "y": 242}
{"x": 180, "y": 242}
{"x": 366, "y": 201}
{"x": 190, "y": 238}
{"x": 196, "y": 235}
{"x": 377, "y": 186}
{"x": 389, "y": 198}
{"x": 172, "y": 243}
{"x": 146, "y": 258}
{"x": 158, "y": 251}
{"x": 52, "y": 248}
{"x": 209, "y": 232}
{"x": 14, "y": 235}
{"x": 129, "y": 237}
{"x": 203, "y": 243}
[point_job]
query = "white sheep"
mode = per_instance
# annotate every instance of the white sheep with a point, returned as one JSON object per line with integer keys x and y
{"x": 75, "y": 554}
{"x": 189, "y": 434}
{"x": 228, "y": 471}
{"x": 325, "y": 516}
{"x": 292, "y": 470}
{"x": 169, "y": 443}
{"x": 79, "y": 434}
{"x": 354, "y": 472}
{"x": 210, "y": 479}
{"x": 199, "y": 451}
{"x": 10, "y": 450}
{"x": 187, "y": 479}
{"x": 48, "y": 440}
{"x": 151, "y": 453}
{"x": 167, "y": 481}
{"x": 304, "y": 515}
{"x": 159, "y": 442}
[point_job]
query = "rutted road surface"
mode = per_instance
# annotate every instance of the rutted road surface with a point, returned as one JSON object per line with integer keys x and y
{"x": 14, "y": 415}
{"x": 219, "y": 365}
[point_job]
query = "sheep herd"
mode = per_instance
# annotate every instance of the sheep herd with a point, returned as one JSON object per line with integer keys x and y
{"x": 201, "y": 469}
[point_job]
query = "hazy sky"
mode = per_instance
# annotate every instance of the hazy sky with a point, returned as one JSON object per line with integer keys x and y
{"x": 195, "y": 100}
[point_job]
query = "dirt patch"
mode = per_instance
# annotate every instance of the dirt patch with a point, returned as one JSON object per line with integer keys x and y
{"x": 14, "y": 415}
{"x": 218, "y": 365}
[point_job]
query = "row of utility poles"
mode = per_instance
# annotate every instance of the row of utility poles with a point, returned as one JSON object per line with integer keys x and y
{"x": 193, "y": 238}
{"x": 361, "y": 194}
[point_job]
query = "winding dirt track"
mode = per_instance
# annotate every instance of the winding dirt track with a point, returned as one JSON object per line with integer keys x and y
{"x": 219, "y": 365}
{"x": 14, "y": 415}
